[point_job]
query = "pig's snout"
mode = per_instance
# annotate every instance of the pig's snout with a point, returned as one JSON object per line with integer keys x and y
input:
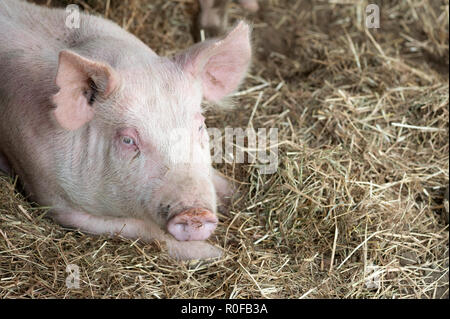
{"x": 192, "y": 224}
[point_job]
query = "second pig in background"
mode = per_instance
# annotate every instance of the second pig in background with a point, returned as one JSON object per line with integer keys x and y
{"x": 213, "y": 18}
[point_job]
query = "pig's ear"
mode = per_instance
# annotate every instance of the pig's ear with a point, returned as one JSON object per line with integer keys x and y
{"x": 219, "y": 64}
{"x": 79, "y": 81}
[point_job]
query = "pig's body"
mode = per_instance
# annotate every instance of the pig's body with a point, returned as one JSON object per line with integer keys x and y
{"x": 85, "y": 116}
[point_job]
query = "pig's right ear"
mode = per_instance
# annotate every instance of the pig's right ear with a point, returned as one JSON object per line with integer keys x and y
{"x": 79, "y": 80}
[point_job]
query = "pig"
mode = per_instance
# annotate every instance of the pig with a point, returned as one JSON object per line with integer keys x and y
{"x": 212, "y": 18}
{"x": 91, "y": 119}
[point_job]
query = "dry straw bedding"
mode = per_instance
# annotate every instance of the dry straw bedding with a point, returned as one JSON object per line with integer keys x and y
{"x": 355, "y": 208}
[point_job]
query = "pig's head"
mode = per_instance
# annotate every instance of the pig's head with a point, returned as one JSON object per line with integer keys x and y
{"x": 138, "y": 134}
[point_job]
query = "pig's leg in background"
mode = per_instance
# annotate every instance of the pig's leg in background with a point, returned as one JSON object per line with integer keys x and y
{"x": 136, "y": 228}
{"x": 212, "y": 17}
{"x": 250, "y": 5}
{"x": 4, "y": 166}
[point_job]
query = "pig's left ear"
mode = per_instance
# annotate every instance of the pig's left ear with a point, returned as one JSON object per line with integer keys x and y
{"x": 219, "y": 64}
{"x": 80, "y": 80}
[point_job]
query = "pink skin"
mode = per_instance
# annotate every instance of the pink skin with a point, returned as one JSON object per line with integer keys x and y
{"x": 92, "y": 119}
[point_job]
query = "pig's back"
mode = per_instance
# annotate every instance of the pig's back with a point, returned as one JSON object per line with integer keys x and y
{"x": 31, "y": 38}
{"x": 23, "y": 24}
{"x": 28, "y": 56}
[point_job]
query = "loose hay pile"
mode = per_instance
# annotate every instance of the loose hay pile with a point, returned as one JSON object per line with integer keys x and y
{"x": 355, "y": 208}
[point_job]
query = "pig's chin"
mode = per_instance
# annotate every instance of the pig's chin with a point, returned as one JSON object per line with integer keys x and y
{"x": 192, "y": 224}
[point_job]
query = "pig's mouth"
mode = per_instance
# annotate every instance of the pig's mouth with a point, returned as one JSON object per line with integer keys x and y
{"x": 192, "y": 224}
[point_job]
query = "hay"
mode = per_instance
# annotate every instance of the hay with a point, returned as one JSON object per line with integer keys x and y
{"x": 354, "y": 209}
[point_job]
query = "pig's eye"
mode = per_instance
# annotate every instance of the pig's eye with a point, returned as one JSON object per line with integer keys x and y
{"x": 127, "y": 140}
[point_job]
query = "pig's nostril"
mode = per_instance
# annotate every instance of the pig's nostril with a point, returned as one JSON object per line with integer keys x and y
{"x": 192, "y": 224}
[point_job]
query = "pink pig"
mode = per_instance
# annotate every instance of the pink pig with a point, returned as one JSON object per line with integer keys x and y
{"x": 91, "y": 120}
